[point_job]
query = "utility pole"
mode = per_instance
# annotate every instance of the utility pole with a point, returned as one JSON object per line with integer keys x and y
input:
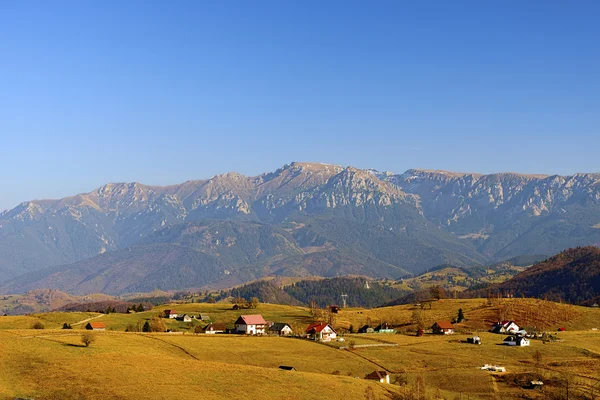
{"x": 344, "y": 297}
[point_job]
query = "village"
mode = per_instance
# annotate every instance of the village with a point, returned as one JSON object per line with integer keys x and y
{"x": 509, "y": 333}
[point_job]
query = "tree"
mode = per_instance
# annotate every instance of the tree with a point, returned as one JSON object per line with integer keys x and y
{"x": 157, "y": 325}
{"x": 437, "y": 292}
{"x": 254, "y": 302}
{"x": 417, "y": 319}
{"x": 140, "y": 307}
{"x": 537, "y": 357}
{"x": 211, "y": 299}
{"x": 146, "y": 327}
{"x": 198, "y": 329}
{"x": 88, "y": 338}
{"x": 66, "y": 326}
{"x": 461, "y": 317}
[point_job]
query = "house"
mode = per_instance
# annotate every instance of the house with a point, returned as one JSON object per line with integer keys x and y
{"x": 334, "y": 309}
{"x": 474, "y": 340}
{"x": 203, "y": 317}
{"x": 366, "y": 329}
{"x": 505, "y": 327}
{"x": 170, "y": 314}
{"x": 185, "y": 318}
{"x": 384, "y": 328}
{"x": 595, "y": 305}
{"x": 561, "y": 329}
{"x": 516, "y": 341}
{"x": 250, "y": 325}
{"x": 95, "y": 326}
{"x": 319, "y": 331}
{"x": 281, "y": 329}
{"x": 443, "y": 328}
{"x": 215, "y": 328}
{"x": 381, "y": 376}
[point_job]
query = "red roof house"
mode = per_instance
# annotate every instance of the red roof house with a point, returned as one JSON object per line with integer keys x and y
{"x": 320, "y": 331}
{"x": 250, "y": 324}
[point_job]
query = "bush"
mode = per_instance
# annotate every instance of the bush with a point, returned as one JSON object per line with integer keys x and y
{"x": 38, "y": 325}
{"x": 88, "y": 338}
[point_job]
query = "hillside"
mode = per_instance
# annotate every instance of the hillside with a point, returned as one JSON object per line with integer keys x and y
{"x": 572, "y": 276}
{"x": 439, "y": 366}
{"x": 303, "y": 219}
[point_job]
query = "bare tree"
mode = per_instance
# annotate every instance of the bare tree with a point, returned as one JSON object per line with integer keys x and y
{"x": 88, "y": 338}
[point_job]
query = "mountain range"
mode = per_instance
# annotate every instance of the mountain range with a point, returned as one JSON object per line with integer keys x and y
{"x": 303, "y": 219}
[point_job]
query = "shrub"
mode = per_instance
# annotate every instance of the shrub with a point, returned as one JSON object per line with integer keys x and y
{"x": 38, "y": 325}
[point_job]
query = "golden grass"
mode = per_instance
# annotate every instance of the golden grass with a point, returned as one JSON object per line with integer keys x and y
{"x": 132, "y": 366}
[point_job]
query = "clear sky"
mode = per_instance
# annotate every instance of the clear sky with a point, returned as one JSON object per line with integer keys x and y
{"x": 161, "y": 92}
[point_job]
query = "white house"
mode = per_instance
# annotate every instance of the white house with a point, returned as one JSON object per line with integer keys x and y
{"x": 281, "y": 329}
{"x": 170, "y": 314}
{"x": 186, "y": 318}
{"x": 505, "y": 327}
{"x": 215, "y": 328}
{"x": 250, "y": 325}
{"x": 320, "y": 331}
{"x": 381, "y": 376}
{"x": 516, "y": 341}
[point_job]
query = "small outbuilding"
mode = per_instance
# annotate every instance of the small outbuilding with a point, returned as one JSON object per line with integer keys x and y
{"x": 366, "y": 329}
{"x": 95, "y": 326}
{"x": 384, "y": 328}
{"x": 474, "y": 340}
{"x": 287, "y": 368}
{"x": 381, "y": 376}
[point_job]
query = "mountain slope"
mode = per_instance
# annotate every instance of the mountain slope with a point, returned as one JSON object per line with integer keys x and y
{"x": 399, "y": 222}
{"x": 573, "y": 276}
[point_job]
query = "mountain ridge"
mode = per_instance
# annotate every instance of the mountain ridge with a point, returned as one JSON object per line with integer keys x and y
{"x": 434, "y": 216}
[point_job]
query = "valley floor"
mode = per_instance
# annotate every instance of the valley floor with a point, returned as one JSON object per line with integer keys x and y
{"x": 54, "y": 364}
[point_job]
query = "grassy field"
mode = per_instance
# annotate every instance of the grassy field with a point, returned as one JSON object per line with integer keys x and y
{"x": 52, "y": 363}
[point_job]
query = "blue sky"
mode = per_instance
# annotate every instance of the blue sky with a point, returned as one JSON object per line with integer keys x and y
{"x": 161, "y": 92}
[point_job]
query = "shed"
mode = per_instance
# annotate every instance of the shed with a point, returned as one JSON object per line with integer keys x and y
{"x": 287, "y": 368}
{"x": 95, "y": 326}
{"x": 474, "y": 340}
{"x": 384, "y": 328}
{"x": 366, "y": 329}
{"x": 215, "y": 328}
{"x": 443, "y": 328}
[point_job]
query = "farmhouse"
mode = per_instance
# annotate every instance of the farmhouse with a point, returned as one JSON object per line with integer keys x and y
{"x": 250, "y": 325}
{"x": 281, "y": 329}
{"x": 442, "y": 328}
{"x": 170, "y": 314}
{"x": 215, "y": 328}
{"x": 323, "y": 332}
{"x": 95, "y": 326}
{"x": 366, "y": 329}
{"x": 186, "y": 318}
{"x": 381, "y": 376}
{"x": 505, "y": 327}
{"x": 516, "y": 341}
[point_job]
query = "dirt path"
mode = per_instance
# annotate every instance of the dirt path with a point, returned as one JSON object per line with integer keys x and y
{"x": 88, "y": 319}
{"x": 172, "y": 344}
